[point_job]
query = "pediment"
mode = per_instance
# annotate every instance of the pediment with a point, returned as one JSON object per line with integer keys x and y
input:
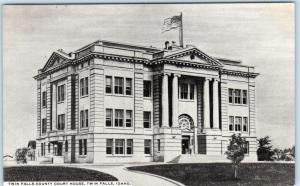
{"x": 193, "y": 55}
{"x": 55, "y": 60}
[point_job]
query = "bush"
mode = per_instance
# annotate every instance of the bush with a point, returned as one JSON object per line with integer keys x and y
{"x": 21, "y": 154}
{"x": 264, "y": 151}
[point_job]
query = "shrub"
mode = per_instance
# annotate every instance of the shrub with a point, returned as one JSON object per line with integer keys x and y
{"x": 20, "y": 155}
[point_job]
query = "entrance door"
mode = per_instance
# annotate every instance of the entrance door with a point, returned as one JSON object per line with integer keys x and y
{"x": 185, "y": 143}
{"x": 57, "y": 149}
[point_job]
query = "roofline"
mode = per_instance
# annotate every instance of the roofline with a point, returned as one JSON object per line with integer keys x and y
{"x": 230, "y": 60}
{"x": 154, "y": 49}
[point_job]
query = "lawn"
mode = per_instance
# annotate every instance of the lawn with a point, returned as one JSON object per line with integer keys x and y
{"x": 219, "y": 174}
{"x": 53, "y": 173}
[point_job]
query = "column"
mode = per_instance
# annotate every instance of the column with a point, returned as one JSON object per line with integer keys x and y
{"x": 165, "y": 101}
{"x": 195, "y": 141}
{"x": 175, "y": 100}
{"x": 206, "y": 106}
{"x": 54, "y": 115}
{"x": 216, "y": 104}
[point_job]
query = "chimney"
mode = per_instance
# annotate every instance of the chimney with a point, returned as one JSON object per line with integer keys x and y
{"x": 166, "y": 45}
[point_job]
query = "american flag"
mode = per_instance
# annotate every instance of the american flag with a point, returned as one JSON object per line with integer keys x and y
{"x": 172, "y": 23}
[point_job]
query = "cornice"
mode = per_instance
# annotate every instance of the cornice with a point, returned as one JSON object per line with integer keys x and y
{"x": 239, "y": 73}
{"x": 145, "y": 61}
{"x": 186, "y": 63}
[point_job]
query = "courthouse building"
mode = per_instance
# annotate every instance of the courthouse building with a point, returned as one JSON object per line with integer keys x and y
{"x": 116, "y": 102}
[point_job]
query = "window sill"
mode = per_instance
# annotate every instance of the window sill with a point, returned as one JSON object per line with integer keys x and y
{"x": 119, "y": 155}
{"x": 119, "y": 95}
{"x": 186, "y": 100}
{"x": 147, "y": 98}
{"x": 60, "y": 102}
{"x": 43, "y": 107}
{"x": 148, "y": 129}
{"x": 239, "y": 132}
{"x": 84, "y": 128}
{"x": 128, "y": 128}
{"x": 232, "y": 104}
{"x": 84, "y": 96}
{"x": 82, "y": 156}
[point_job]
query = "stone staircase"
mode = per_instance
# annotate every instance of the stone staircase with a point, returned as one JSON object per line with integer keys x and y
{"x": 200, "y": 158}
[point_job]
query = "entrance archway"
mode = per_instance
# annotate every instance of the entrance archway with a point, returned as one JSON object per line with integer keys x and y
{"x": 186, "y": 124}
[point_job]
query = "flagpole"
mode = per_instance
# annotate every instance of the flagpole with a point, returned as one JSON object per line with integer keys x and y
{"x": 181, "y": 32}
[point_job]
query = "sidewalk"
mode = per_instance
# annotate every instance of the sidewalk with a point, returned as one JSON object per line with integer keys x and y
{"x": 137, "y": 178}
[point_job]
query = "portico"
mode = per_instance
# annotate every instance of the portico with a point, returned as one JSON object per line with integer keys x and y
{"x": 205, "y": 99}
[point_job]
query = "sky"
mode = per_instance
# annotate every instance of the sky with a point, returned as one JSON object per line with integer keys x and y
{"x": 260, "y": 35}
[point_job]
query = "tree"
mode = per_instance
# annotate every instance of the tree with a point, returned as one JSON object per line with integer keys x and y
{"x": 264, "y": 151}
{"x": 20, "y": 155}
{"x": 235, "y": 152}
{"x": 32, "y": 144}
{"x": 293, "y": 151}
{"x": 31, "y": 149}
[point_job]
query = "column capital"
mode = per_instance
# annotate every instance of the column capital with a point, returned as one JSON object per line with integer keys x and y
{"x": 207, "y": 79}
{"x": 176, "y": 75}
{"x": 165, "y": 73}
{"x": 217, "y": 79}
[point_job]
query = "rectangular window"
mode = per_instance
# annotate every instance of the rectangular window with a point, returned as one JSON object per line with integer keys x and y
{"x": 147, "y": 88}
{"x": 231, "y": 123}
{"x": 237, "y": 96}
{"x": 129, "y": 149}
{"x": 84, "y": 86}
{"x": 109, "y": 119}
{"x": 61, "y": 122}
{"x": 108, "y": 84}
{"x": 61, "y": 93}
{"x": 44, "y": 125}
{"x": 66, "y": 146}
{"x": 81, "y": 118}
{"x": 158, "y": 145}
{"x": 128, "y": 86}
{"x": 238, "y": 123}
{"x": 246, "y": 147}
{"x": 80, "y": 147}
{"x": 49, "y": 147}
{"x": 147, "y": 146}
{"x": 42, "y": 149}
{"x": 109, "y": 146}
{"x": 84, "y": 118}
{"x": 119, "y": 117}
{"x": 184, "y": 91}
{"x": 245, "y": 124}
{"x": 192, "y": 89}
{"x": 84, "y": 146}
{"x": 244, "y": 97}
{"x": 147, "y": 119}
{"x": 119, "y": 146}
{"x": 119, "y": 85}
{"x": 128, "y": 118}
{"x": 44, "y": 99}
{"x": 230, "y": 94}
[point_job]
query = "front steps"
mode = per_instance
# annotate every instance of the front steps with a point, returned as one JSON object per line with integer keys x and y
{"x": 200, "y": 158}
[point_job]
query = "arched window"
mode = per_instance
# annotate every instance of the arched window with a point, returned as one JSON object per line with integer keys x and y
{"x": 185, "y": 122}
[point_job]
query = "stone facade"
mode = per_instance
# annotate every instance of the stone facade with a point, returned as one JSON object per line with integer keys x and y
{"x": 112, "y": 102}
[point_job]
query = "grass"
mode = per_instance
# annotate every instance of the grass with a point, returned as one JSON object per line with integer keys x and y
{"x": 219, "y": 174}
{"x": 53, "y": 173}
